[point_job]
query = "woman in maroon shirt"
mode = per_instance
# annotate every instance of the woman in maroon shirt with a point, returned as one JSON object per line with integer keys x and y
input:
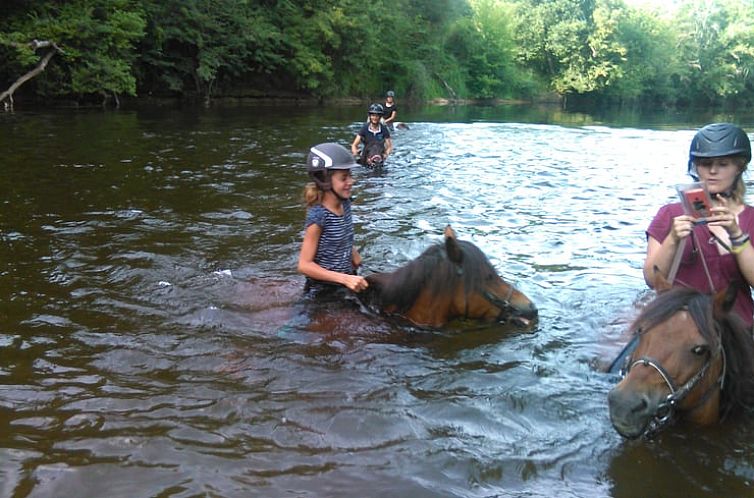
{"x": 718, "y": 250}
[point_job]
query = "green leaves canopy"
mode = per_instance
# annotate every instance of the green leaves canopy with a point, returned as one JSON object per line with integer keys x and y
{"x": 604, "y": 50}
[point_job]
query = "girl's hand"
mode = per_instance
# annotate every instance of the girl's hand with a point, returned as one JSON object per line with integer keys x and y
{"x": 355, "y": 283}
{"x": 722, "y": 216}
{"x": 682, "y": 226}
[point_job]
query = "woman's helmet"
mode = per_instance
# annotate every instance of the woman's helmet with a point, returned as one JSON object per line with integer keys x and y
{"x": 327, "y": 157}
{"x": 376, "y": 109}
{"x": 718, "y": 140}
{"x": 390, "y": 93}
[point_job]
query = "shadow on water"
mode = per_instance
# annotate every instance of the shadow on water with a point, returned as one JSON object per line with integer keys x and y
{"x": 655, "y": 468}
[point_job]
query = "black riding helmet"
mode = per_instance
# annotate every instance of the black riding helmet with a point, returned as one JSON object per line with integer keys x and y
{"x": 376, "y": 109}
{"x": 327, "y": 157}
{"x": 718, "y": 140}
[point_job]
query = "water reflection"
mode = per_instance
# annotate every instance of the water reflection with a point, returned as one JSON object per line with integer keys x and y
{"x": 153, "y": 340}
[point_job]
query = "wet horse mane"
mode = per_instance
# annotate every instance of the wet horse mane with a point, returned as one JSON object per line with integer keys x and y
{"x": 728, "y": 330}
{"x": 432, "y": 271}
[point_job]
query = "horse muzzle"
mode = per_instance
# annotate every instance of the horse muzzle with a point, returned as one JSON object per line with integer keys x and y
{"x": 524, "y": 315}
{"x": 634, "y": 413}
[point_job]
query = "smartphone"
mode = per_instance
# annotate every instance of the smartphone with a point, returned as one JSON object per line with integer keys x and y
{"x": 698, "y": 202}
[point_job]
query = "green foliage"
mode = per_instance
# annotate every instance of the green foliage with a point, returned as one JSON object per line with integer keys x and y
{"x": 716, "y": 40}
{"x": 96, "y": 38}
{"x": 601, "y": 50}
{"x": 191, "y": 45}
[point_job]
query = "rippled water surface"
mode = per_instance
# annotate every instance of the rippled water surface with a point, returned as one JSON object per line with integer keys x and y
{"x": 153, "y": 343}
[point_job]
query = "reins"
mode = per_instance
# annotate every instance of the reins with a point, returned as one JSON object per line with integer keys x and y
{"x": 675, "y": 265}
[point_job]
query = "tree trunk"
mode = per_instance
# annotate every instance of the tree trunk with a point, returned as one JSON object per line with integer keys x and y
{"x": 41, "y": 65}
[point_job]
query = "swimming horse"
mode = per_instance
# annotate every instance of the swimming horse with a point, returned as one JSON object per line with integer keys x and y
{"x": 450, "y": 280}
{"x": 694, "y": 361}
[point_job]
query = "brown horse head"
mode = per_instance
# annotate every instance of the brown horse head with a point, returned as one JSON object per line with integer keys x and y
{"x": 450, "y": 280}
{"x": 690, "y": 345}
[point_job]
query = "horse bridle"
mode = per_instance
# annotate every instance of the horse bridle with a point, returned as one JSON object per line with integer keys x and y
{"x": 504, "y": 304}
{"x": 665, "y": 411}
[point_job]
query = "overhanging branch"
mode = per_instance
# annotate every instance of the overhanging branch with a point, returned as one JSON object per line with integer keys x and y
{"x": 41, "y": 65}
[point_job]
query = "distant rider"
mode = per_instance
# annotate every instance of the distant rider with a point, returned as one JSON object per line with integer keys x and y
{"x": 375, "y": 137}
{"x": 390, "y": 110}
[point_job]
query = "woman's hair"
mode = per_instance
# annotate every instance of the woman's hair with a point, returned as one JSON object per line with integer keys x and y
{"x": 312, "y": 194}
{"x": 738, "y": 192}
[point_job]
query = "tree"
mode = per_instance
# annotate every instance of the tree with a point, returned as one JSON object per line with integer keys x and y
{"x": 96, "y": 40}
{"x": 194, "y": 45}
{"x": 716, "y": 43}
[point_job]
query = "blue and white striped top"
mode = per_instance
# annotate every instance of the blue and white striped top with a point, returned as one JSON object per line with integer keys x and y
{"x": 336, "y": 242}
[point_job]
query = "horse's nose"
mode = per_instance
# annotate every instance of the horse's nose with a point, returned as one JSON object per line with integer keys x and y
{"x": 629, "y": 412}
{"x": 530, "y": 311}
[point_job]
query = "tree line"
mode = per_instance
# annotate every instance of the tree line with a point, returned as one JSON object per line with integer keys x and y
{"x": 699, "y": 53}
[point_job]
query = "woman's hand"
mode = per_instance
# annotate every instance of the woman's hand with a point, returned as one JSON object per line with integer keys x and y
{"x": 682, "y": 227}
{"x": 722, "y": 216}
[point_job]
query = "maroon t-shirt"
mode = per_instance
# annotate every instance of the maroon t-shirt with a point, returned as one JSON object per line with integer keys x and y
{"x": 723, "y": 268}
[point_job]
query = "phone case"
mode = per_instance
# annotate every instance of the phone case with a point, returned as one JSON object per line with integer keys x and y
{"x": 696, "y": 200}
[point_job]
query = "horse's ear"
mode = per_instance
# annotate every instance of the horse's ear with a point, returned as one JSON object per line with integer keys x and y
{"x": 659, "y": 282}
{"x": 451, "y": 246}
{"x": 725, "y": 299}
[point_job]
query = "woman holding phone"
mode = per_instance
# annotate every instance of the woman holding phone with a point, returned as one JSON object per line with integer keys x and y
{"x": 716, "y": 249}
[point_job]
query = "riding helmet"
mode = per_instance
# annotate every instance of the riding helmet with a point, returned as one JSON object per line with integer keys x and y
{"x": 718, "y": 140}
{"x": 376, "y": 109}
{"x": 390, "y": 93}
{"x": 327, "y": 157}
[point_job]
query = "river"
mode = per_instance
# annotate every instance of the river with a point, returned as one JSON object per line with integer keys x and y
{"x": 152, "y": 341}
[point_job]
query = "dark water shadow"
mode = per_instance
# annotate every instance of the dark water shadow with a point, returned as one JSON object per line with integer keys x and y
{"x": 701, "y": 462}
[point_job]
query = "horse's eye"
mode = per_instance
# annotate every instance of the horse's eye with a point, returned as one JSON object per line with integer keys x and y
{"x": 700, "y": 350}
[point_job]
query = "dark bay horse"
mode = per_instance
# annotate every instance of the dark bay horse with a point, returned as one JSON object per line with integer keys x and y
{"x": 449, "y": 280}
{"x": 694, "y": 361}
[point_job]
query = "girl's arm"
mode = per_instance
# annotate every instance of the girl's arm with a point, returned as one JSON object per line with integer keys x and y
{"x": 308, "y": 267}
{"x": 355, "y": 258}
{"x": 388, "y": 147}
{"x": 355, "y": 145}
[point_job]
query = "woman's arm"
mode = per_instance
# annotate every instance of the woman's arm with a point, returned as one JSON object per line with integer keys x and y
{"x": 661, "y": 254}
{"x": 723, "y": 215}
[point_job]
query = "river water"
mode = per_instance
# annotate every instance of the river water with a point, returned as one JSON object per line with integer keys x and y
{"x": 152, "y": 340}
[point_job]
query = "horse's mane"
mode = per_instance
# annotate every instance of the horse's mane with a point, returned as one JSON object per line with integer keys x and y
{"x": 432, "y": 271}
{"x": 730, "y": 331}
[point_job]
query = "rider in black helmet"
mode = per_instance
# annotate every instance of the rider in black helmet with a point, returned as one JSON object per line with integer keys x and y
{"x": 717, "y": 249}
{"x": 375, "y": 137}
{"x": 328, "y": 257}
{"x": 718, "y": 140}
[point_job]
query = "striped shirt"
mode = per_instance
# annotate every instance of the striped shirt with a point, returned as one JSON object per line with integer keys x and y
{"x": 334, "y": 250}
